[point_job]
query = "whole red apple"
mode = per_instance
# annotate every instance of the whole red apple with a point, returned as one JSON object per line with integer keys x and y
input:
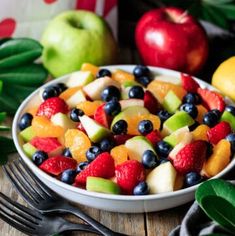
{"x": 169, "y": 37}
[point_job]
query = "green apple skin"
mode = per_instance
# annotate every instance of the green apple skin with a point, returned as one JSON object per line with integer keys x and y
{"x": 75, "y": 37}
{"x": 227, "y": 116}
{"x": 27, "y": 134}
{"x": 171, "y": 102}
{"x": 29, "y": 149}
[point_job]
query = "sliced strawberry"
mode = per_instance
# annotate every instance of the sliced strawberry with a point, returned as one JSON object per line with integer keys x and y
{"x": 154, "y": 137}
{"x": 120, "y": 139}
{"x": 150, "y": 102}
{"x": 102, "y": 166}
{"x": 129, "y": 174}
{"x": 51, "y": 106}
{"x": 101, "y": 117}
{"x": 189, "y": 84}
{"x": 80, "y": 127}
{"x": 58, "y": 164}
{"x": 211, "y": 99}
{"x": 46, "y": 144}
{"x": 191, "y": 157}
{"x": 218, "y": 132}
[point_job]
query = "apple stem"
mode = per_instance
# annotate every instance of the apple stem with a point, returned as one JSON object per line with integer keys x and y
{"x": 182, "y": 16}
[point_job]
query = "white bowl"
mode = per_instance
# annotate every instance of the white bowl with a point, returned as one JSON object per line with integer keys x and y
{"x": 115, "y": 203}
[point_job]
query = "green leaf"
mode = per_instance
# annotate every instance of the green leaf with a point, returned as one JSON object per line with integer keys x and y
{"x": 6, "y": 145}
{"x": 228, "y": 10}
{"x": 3, "y": 159}
{"x": 29, "y": 75}
{"x": 217, "y": 2}
{"x": 4, "y": 128}
{"x": 221, "y": 194}
{"x": 2, "y": 116}
{"x": 3, "y": 40}
{"x": 8, "y": 103}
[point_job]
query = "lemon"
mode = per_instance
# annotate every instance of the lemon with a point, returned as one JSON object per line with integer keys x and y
{"x": 224, "y": 77}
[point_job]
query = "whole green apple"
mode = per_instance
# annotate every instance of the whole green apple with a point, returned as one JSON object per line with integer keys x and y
{"x": 75, "y": 37}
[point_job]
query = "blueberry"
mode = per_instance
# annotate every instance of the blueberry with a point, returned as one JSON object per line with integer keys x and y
{"x": 106, "y": 145}
{"x": 75, "y": 113}
{"x": 163, "y": 115}
{"x": 145, "y": 127}
{"x": 140, "y": 71}
{"x": 68, "y": 176}
{"x": 81, "y": 166}
{"x": 39, "y": 157}
{"x": 136, "y": 92}
{"x": 230, "y": 109}
{"x": 194, "y": 126}
{"x": 92, "y": 153}
{"x": 109, "y": 93}
{"x": 192, "y": 178}
{"x": 66, "y": 153}
{"x": 216, "y": 112}
{"x": 103, "y": 72}
{"x": 163, "y": 148}
{"x": 231, "y": 139}
{"x": 25, "y": 121}
{"x": 210, "y": 119}
{"x": 141, "y": 189}
{"x": 149, "y": 159}
{"x": 61, "y": 87}
{"x": 144, "y": 80}
{"x": 163, "y": 160}
{"x": 192, "y": 98}
{"x": 49, "y": 92}
{"x": 120, "y": 127}
{"x": 191, "y": 109}
{"x": 112, "y": 108}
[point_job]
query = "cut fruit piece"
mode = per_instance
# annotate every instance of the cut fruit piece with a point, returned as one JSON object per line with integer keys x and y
{"x": 43, "y": 127}
{"x": 189, "y": 83}
{"x": 160, "y": 89}
{"x": 162, "y": 178}
{"x": 119, "y": 154}
{"x": 78, "y": 143}
{"x": 69, "y": 92}
{"x": 94, "y": 89}
{"x": 63, "y": 120}
{"x": 151, "y": 103}
{"x": 179, "y": 182}
{"x": 28, "y": 133}
{"x": 126, "y": 86}
{"x": 89, "y": 107}
{"x": 89, "y": 67}
{"x": 101, "y": 185}
{"x": 121, "y": 76}
{"x": 130, "y": 103}
{"x": 168, "y": 79}
{"x": 229, "y": 117}
{"x": 77, "y": 97}
{"x": 136, "y": 146}
{"x": 201, "y": 112}
{"x": 200, "y": 133}
{"x": 79, "y": 78}
{"x": 95, "y": 131}
{"x": 219, "y": 159}
{"x": 171, "y": 102}
{"x": 29, "y": 149}
{"x": 178, "y": 120}
{"x": 101, "y": 117}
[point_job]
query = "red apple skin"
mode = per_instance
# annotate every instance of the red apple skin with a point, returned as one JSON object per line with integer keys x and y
{"x": 170, "y": 38}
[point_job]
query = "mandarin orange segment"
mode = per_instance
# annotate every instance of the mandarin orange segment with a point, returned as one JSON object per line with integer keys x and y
{"x": 32, "y": 110}
{"x": 122, "y": 76}
{"x": 119, "y": 154}
{"x": 160, "y": 89}
{"x": 78, "y": 143}
{"x": 43, "y": 127}
{"x": 69, "y": 92}
{"x": 201, "y": 112}
{"x": 90, "y": 67}
{"x": 200, "y": 133}
{"x": 89, "y": 107}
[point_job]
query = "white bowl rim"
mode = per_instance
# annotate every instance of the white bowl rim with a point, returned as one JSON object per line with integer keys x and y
{"x": 96, "y": 194}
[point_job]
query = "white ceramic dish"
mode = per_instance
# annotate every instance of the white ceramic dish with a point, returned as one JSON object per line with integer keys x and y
{"x": 115, "y": 203}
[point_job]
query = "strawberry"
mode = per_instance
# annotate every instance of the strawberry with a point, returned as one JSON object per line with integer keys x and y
{"x": 191, "y": 157}
{"x": 120, "y": 139}
{"x": 218, "y": 132}
{"x": 45, "y": 144}
{"x": 150, "y": 102}
{"x": 189, "y": 84}
{"x": 129, "y": 174}
{"x": 102, "y": 166}
{"x": 81, "y": 128}
{"x": 211, "y": 99}
{"x": 101, "y": 117}
{"x": 51, "y": 106}
{"x": 154, "y": 137}
{"x": 58, "y": 164}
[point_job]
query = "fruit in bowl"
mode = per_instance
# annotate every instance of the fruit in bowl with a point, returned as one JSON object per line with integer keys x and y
{"x": 115, "y": 132}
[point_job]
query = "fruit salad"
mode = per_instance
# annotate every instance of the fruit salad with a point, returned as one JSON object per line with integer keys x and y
{"x": 135, "y": 133}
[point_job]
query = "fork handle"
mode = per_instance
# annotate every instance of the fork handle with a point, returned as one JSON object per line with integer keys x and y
{"x": 96, "y": 225}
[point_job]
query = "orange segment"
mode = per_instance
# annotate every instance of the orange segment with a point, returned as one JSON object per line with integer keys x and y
{"x": 119, "y": 154}
{"x": 200, "y": 133}
{"x": 160, "y": 89}
{"x": 32, "y": 110}
{"x": 201, "y": 112}
{"x": 44, "y": 128}
{"x": 69, "y": 92}
{"x": 121, "y": 76}
{"x": 89, "y": 107}
{"x": 78, "y": 143}
{"x": 90, "y": 67}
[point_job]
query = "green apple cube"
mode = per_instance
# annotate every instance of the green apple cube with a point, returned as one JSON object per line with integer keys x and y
{"x": 136, "y": 146}
{"x": 95, "y": 131}
{"x": 131, "y": 102}
{"x": 177, "y": 121}
{"x": 63, "y": 120}
{"x": 80, "y": 78}
{"x": 79, "y": 96}
{"x": 171, "y": 102}
{"x": 27, "y": 134}
{"x": 230, "y": 118}
{"x": 29, "y": 149}
{"x": 101, "y": 185}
